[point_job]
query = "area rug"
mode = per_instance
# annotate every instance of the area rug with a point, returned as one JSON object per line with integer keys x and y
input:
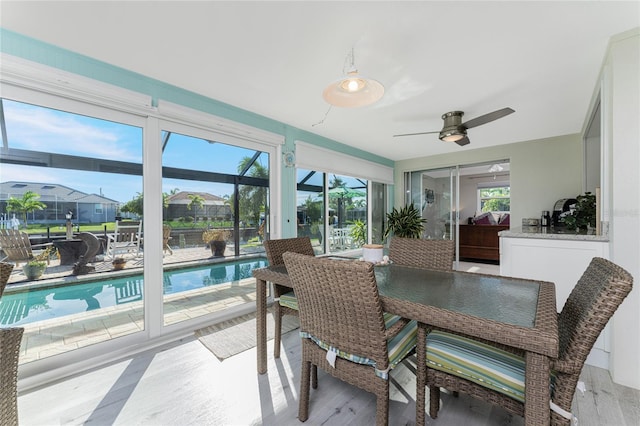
{"x": 237, "y": 335}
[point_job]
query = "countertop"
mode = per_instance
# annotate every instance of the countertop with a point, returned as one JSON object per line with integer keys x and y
{"x": 550, "y": 233}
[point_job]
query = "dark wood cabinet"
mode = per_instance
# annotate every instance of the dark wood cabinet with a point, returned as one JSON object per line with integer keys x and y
{"x": 480, "y": 241}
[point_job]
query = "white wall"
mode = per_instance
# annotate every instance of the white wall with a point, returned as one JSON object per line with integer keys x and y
{"x": 542, "y": 171}
{"x": 621, "y": 109}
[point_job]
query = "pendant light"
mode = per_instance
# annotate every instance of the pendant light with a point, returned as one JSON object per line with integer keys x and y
{"x": 353, "y": 90}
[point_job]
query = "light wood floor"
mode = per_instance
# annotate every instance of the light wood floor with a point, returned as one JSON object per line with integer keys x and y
{"x": 185, "y": 384}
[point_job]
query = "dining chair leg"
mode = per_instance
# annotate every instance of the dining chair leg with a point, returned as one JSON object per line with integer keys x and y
{"x": 421, "y": 376}
{"x": 303, "y": 407}
{"x": 382, "y": 408}
{"x": 434, "y": 401}
{"x": 277, "y": 337}
{"x": 314, "y": 376}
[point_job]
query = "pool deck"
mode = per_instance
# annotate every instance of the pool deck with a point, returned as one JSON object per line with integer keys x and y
{"x": 42, "y": 339}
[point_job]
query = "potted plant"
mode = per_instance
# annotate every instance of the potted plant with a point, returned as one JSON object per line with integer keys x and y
{"x": 35, "y": 267}
{"x": 359, "y": 233}
{"x": 216, "y": 239}
{"x": 406, "y": 222}
{"x": 584, "y": 214}
{"x": 119, "y": 263}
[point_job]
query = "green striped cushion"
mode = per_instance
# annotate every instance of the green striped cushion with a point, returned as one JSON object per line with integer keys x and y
{"x": 477, "y": 362}
{"x": 289, "y": 300}
{"x": 398, "y": 347}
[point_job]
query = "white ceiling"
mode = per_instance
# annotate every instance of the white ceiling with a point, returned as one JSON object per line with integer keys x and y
{"x": 274, "y": 59}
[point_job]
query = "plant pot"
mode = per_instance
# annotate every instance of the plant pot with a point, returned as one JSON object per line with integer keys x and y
{"x": 218, "y": 248}
{"x": 34, "y": 271}
{"x": 117, "y": 266}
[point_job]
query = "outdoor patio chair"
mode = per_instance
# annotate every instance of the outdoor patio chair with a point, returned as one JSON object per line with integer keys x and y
{"x": 286, "y": 302}
{"x": 592, "y": 302}
{"x": 422, "y": 253}
{"x": 126, "y": 239}
{"x": 166, "y": 237}
{"x": 10, "y": 339}
{"x": 344, "y": 330}
{"x": 17, "y": 247}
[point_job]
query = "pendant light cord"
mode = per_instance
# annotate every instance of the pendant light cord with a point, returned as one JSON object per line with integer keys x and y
{"x": 323, "y": 118}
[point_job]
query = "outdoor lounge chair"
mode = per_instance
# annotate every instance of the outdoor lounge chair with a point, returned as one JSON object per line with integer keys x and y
{"x": 422, "y": 253}
{"x": 344, "y": 330}
{"x": 17, "y": 247}
{"x": 286, "y": 302}
{"x": 126, "y": 239}
{"x": 166, "y": 237}
{"x": 592, "y": 302}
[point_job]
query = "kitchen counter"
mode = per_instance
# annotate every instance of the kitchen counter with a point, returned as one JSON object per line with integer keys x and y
{"x": 550, "y": 233}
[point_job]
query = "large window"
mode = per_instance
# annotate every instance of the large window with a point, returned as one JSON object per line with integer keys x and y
{"x": 332, "y": 210}
{"x": 71, "y": 169}
{"x": 64, "y": 174}
{"x": 214, "y": 201}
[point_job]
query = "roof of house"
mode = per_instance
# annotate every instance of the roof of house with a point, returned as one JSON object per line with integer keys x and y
{"x": 50, "y": 192}
{"x": 182, "y": 197}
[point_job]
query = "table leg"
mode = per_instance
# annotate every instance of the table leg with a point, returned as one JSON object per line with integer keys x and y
{"x": 537, "y": 395}
{"x": 261, "y": 324}
{"x": 421, "y": 360}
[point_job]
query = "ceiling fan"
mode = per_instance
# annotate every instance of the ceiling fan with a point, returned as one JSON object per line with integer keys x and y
{"x": 454, "y": 130}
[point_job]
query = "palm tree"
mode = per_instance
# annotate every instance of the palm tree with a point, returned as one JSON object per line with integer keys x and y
{"x": 27, "y": 204}
{"x": 196, "y": 202}
{"x": 252, "y": 199}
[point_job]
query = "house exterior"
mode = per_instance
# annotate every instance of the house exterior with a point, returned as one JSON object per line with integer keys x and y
{"x": 60, "y": 199}
{"x": 213, "y": 207}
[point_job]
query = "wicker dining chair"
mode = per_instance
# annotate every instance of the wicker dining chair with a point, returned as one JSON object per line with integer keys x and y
{"x": 344, "y": 330}
{"x": 10, "y": 339}
{"x": 422, "y": 253}
{"x": 592, "y": 302}
{"x": 287, "y": 304}
{"x": 5, "y": 274}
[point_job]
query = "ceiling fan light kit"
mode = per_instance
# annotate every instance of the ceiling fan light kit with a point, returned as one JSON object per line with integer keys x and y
{"x": 454, "y": 130}
{"x": 353, "y": 90}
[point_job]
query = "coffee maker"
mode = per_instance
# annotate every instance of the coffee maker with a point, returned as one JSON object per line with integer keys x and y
{"x": 560, "y": 208}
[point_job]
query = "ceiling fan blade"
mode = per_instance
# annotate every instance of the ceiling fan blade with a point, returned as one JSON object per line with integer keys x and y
{"x": 414, "y": 134}
{"x": 487, "y": 118}
{"x": 464, "y": 141}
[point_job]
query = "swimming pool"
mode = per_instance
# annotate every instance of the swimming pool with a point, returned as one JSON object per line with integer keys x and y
{"x": 24, "y": 307}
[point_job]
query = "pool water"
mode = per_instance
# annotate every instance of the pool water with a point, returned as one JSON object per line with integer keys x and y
{"x": 24, "y": 307}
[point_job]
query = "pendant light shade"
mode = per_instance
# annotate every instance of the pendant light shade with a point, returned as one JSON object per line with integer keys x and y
{"x": 353, "y": 90}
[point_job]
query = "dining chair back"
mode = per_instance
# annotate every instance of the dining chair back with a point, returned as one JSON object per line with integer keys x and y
{"x": 592, "y": 302}
{"x": 286, "y": 302}
{"x": 5, "y": 273}
{"x": 422, "y": 253}
{"x": 10, "y": 339}
{"x": 343, "y": 328}
{"x": 126, "y": 239}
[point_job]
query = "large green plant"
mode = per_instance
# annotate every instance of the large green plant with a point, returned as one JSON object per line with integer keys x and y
{"x": 406, "y": 222}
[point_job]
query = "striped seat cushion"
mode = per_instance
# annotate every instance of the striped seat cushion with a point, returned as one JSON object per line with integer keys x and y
{"x": 398, "y": 347}
{"x": 289, "y": 300}
{"x": 477, "y": 362}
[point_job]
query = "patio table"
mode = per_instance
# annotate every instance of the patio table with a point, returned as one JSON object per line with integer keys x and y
{"x": 515, "y": 312}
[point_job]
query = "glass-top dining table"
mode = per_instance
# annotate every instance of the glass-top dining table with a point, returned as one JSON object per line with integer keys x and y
{"x": 515, "y": 312}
